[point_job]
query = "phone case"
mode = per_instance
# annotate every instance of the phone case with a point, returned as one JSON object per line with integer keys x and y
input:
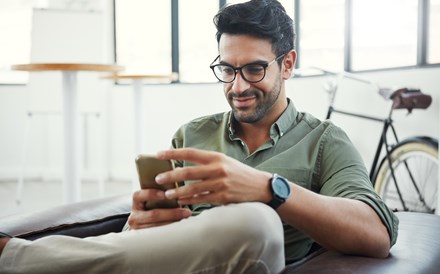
{"x": 148, "y": 167}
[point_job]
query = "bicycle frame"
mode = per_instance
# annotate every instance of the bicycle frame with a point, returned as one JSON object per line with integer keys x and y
{"x": 387, "y": 124}
{"x": 383, "y": 140}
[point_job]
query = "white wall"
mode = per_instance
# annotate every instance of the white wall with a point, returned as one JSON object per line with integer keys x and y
{"x": 361, "y": 98}
{"x": 168, "y": 106}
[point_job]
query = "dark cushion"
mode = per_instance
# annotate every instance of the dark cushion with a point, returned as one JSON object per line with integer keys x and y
{"x": 89, "y": 218}
{"x": 417, "y": 250}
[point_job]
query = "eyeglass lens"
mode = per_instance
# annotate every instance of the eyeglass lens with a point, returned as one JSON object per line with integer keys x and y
{"x": 250, "y": 72}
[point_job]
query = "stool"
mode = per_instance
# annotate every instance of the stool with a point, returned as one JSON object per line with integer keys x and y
{"x": 71, "y": 117}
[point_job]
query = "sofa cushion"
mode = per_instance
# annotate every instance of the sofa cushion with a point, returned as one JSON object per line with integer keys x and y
{"x": 83, "y": 219}
{"x": 417, "y": 250}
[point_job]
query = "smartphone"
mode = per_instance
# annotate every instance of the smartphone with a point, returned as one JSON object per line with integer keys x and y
{"x": 148, "y": 167}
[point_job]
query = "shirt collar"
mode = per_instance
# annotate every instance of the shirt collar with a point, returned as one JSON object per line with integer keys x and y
{"x": 285, "y": 122}
{"x": 231, "y": 129}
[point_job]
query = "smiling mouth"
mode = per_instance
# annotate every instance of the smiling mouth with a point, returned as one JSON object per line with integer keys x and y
{"x": 243, "y": 102}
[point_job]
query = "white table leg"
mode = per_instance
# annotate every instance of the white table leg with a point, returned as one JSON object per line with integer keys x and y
{"x": 139, "y": 124}
{"x": 72, "y": 140}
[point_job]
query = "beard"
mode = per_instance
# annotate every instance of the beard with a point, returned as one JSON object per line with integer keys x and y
{"x": 264, "y": 101}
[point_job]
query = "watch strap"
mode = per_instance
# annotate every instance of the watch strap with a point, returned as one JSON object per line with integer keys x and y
{"x": 276, "y": 200}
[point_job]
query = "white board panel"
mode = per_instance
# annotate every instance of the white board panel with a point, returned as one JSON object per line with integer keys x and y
{"x": 65, "y": 36}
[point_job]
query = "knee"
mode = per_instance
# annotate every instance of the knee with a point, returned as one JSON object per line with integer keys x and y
{"x": 259, "y": 225}
{"x": 254, "y": 227}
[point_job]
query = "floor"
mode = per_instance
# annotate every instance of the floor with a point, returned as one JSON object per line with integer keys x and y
{"x": 39, "y": 195}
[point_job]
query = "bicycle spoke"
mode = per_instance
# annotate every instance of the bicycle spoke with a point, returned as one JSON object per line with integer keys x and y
{"x": 415, "y": 169}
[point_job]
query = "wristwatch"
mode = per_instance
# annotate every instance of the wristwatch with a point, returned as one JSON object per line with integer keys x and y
{"x": 280, "y": 190}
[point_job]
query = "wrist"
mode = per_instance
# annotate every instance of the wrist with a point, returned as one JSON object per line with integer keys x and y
{"x": 280, "y": 191}
{"x": 267, "y": 193}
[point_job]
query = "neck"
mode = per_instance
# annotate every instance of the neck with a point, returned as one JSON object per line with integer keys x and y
{"x": 254, "y": 135}
{"x": 258, "y": 133}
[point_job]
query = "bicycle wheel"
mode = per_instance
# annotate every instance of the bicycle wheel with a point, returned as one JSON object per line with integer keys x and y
{"x": 420, "y": 155}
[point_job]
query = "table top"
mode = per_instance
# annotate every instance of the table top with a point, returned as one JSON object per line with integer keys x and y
{"x": 141, "y": 76}
{"x": 67, "y": 67}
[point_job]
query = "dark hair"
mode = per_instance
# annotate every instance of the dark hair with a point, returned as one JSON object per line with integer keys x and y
{"x": 265, "y": 19}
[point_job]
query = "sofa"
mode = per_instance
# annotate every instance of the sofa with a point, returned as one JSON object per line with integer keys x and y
{"x": 417, "y": 249}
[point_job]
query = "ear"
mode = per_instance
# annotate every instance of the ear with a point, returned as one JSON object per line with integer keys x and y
{"x": 288, "y": 64}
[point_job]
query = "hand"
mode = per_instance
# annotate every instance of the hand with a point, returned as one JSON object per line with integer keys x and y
{"x": 3, "y": 242}
{"x": 218, "y": 178}
{"x": 141, "y": 218}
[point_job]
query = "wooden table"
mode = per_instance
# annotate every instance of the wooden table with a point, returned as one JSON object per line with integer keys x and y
{"x": 71, "y": 118}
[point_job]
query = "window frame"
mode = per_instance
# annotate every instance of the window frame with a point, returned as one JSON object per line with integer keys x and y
{"x": 422, "y": 38}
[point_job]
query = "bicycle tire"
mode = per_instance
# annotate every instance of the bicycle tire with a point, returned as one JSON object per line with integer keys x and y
{"x": 421, "y": 155}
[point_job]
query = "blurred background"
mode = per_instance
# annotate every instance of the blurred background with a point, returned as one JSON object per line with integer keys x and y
{"x": 394, "y": 43}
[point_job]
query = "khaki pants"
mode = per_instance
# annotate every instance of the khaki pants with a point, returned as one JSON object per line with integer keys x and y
{"x": 237, "y": 238}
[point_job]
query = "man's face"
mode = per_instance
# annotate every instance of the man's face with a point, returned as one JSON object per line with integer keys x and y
{"x": 251, "y": 102}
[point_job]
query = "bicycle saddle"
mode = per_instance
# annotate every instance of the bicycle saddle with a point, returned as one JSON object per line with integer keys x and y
{"x": 410, "y": 99}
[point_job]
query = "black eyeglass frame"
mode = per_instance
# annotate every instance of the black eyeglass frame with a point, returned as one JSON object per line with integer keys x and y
{"x": 235, "y": 69}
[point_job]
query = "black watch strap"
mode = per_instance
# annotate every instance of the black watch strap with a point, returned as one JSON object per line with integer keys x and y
{"x": 275, "y": 203}
{"x": 280, "y": 189}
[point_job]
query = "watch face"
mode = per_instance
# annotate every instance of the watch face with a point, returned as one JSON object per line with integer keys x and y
{"x": 281, "y": 187}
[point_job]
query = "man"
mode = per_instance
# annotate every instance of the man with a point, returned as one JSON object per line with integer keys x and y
{"x": 244, "y": 171}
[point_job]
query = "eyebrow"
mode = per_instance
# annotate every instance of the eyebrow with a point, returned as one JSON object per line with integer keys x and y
{"x": 251, "y": 63}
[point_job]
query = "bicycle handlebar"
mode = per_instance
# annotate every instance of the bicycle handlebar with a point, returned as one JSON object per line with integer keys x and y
{"x": 402, "y": 98}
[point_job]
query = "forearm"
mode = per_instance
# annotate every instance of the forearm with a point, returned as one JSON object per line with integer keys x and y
{"x": 345, "y": 225}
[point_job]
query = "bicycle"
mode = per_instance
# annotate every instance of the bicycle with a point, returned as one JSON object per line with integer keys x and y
{"x": 407, "y": 175}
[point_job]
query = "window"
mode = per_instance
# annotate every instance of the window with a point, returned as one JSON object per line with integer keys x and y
{"x": 384, "y": 34}
{"x": 287, "y": 4}
{"x": 321, "y": 35}
{"x": 15, "y": 28}
{"x": 433, "y": 32}
{"x": 143, "y": 35}
{"x": 197, "y": 42}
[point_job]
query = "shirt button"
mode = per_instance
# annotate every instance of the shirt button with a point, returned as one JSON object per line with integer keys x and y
{"x": 281, "y": 134}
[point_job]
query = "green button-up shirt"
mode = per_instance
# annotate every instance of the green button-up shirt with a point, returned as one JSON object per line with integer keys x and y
{"x": 308, "y": 152}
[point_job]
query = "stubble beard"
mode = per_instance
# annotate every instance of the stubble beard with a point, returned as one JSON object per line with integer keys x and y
{"x": 264, "y": 102}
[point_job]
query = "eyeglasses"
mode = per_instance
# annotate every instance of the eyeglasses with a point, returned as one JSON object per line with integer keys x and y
{"x": 252, "y": 73}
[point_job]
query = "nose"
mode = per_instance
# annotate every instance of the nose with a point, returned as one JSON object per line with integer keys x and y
{"x": 239, "y": 84}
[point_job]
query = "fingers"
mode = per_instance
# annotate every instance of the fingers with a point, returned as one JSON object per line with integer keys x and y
{"x": 210, "y": 165}
{"x": 193, "y": 155}
{"x": 141, "y": 196}
{"x": 216, "y": 178}
{"x": 191, "y": 173}
{"x": 211, "y": 177}
{"x": 203, "y": 198}
{"x": 141, "y": 218}
{"x": 156, "y": 217}
{"x": 193, "y": 190}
